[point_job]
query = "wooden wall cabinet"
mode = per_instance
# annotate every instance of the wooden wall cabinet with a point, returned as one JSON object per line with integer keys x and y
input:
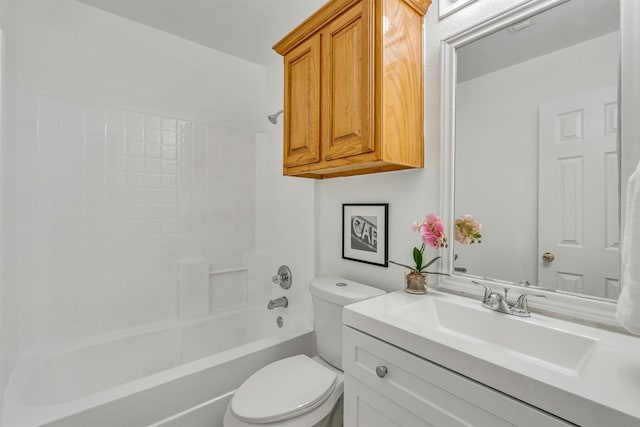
{"x": 353, "y": 89}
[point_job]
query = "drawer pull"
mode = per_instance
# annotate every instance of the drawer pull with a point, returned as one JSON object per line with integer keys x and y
{"x": 381, "y": 371}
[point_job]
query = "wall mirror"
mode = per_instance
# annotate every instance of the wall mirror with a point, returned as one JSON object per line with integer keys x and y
{"x": 531, "y": 147}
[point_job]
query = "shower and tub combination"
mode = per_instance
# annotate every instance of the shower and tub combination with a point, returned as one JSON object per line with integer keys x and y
{"x": 116, "y": 367}
{"x": 177, "y": 373}
{"x": 132, "y": 148}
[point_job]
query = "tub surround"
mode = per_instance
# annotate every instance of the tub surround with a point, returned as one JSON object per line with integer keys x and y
{"x": 581, "y": 374}
{"x": 162, "y": 370}
{"x": 193, "y": 288}
{"x": 111, "y": 198}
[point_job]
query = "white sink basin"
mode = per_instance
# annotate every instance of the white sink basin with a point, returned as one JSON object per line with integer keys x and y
{"x": 528, "y": 339}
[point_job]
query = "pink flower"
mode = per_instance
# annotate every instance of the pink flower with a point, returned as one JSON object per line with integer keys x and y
{"x": 416, "y": 226}
{"x": 468, "y": 230}
{"x": 432, "y": 231}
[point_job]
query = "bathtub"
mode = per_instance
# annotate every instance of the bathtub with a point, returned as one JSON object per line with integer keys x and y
{"x": 178, "y": 374}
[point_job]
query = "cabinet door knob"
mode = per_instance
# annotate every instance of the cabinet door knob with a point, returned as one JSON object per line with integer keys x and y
{"x": 381, "y": 371}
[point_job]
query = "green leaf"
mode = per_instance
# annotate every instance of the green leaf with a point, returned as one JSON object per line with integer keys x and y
{"x": 417, "y": 257}
{"x": 435, "y": 272}
{"x": 431, "y": 262}
{"x": 402, "y": 265}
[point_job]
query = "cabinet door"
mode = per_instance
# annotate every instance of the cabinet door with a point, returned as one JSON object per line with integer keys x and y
{"x": 435, "y": 395}
{"x": 365, "y": 407}
{"x": 302, "y": 103}
{"x": 347, "y": 61}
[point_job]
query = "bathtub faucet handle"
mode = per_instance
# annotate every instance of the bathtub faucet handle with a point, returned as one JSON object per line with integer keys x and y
{"x": 278, "y": 302}
{"x": 283, "y": 278}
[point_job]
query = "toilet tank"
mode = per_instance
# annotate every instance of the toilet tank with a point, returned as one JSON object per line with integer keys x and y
{"x": 329, "y": 295}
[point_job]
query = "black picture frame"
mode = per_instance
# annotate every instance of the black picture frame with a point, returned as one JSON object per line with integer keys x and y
{"x": 365, "y": 233}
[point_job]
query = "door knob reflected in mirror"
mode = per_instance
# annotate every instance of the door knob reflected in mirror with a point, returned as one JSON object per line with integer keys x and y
{"x": 548, "y": 257}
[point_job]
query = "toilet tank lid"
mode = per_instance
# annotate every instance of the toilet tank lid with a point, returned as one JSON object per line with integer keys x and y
{"x": 341, "y": 291}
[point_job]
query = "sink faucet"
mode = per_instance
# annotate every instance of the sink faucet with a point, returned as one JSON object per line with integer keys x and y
{"x": 498, "y": 302}
{"x": 278, "y": 302}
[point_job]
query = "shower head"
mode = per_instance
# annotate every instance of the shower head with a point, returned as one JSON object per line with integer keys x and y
{"x": 273, "y": 118}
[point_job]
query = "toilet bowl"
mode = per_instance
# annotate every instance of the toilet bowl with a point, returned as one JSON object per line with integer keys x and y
{"x": 300, "y": 391}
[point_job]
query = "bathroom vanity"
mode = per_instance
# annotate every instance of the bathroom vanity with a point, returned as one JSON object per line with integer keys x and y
{"x": 442, "y": 359}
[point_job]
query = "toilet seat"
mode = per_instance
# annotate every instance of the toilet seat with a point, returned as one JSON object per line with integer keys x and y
{"x": 283, "y": 389}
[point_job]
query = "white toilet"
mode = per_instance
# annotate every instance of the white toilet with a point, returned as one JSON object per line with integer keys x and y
{"x": 300, "y": 391}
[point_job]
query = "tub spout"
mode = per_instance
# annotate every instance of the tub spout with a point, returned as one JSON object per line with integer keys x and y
{"x": 278, "y": 302}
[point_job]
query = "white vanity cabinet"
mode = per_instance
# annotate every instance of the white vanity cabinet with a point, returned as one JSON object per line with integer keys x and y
{"x": 386, "y": 386}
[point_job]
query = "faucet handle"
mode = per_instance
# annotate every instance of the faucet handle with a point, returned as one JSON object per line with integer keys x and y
{"x": 487, "y": 291}
{"x": 283, "y": 277}
{"x": 521, "y": 307}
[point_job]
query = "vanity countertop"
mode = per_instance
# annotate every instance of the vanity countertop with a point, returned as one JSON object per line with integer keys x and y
{"x": 586, "y": 375}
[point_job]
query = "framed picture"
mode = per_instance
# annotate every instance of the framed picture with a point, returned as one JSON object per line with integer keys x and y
{"x": 364, "y": 232}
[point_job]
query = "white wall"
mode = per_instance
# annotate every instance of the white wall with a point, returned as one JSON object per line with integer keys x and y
{"x": 411, "y": 195}
{"x": 8, "y": 309}
{"x": 92, "y": 55}
{"x": 490, "y": 119}
{"x": 136, "y": 148}
{"x": 285, "y": 217}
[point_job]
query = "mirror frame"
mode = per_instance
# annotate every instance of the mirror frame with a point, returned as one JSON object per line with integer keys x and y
{"x": 586, "y": 309}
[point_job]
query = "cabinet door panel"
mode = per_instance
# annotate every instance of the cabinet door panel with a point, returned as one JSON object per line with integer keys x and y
{"x": 302, "y": 104}
{"x": 364, "y": 407}
{"x": 347, "y": 85}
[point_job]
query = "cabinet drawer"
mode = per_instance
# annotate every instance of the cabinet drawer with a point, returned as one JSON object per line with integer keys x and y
{"x": 435, "y": 394}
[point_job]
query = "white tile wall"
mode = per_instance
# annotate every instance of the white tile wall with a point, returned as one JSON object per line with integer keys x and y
{"x": 108, "y": 200}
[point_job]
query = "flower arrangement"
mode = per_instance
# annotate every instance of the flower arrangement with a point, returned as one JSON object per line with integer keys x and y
{"x": 467, "y": 230}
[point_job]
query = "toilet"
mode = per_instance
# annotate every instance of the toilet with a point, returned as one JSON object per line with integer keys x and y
{"x": 301, "y": 391}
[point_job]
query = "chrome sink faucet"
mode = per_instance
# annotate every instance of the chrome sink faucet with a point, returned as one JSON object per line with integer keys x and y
{"x": 278, "y": 302}
{"x": 500, "y": 303}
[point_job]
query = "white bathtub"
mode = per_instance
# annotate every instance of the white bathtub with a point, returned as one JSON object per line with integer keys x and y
{"x": 181, "y": 374}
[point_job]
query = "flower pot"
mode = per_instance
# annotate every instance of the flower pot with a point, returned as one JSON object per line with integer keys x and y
{"x": 416, "y": 283}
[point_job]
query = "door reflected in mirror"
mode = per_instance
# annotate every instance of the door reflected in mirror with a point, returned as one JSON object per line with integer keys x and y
{"x": 536, "y": 150}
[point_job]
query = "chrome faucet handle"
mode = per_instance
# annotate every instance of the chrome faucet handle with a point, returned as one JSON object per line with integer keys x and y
{"x": 283, "y": 277}
{"x": 487, "y": 291}
{"x": 521, "y": 307}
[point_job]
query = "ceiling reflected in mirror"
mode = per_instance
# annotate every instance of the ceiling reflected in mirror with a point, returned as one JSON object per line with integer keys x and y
{"x": 546, "y": 32}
